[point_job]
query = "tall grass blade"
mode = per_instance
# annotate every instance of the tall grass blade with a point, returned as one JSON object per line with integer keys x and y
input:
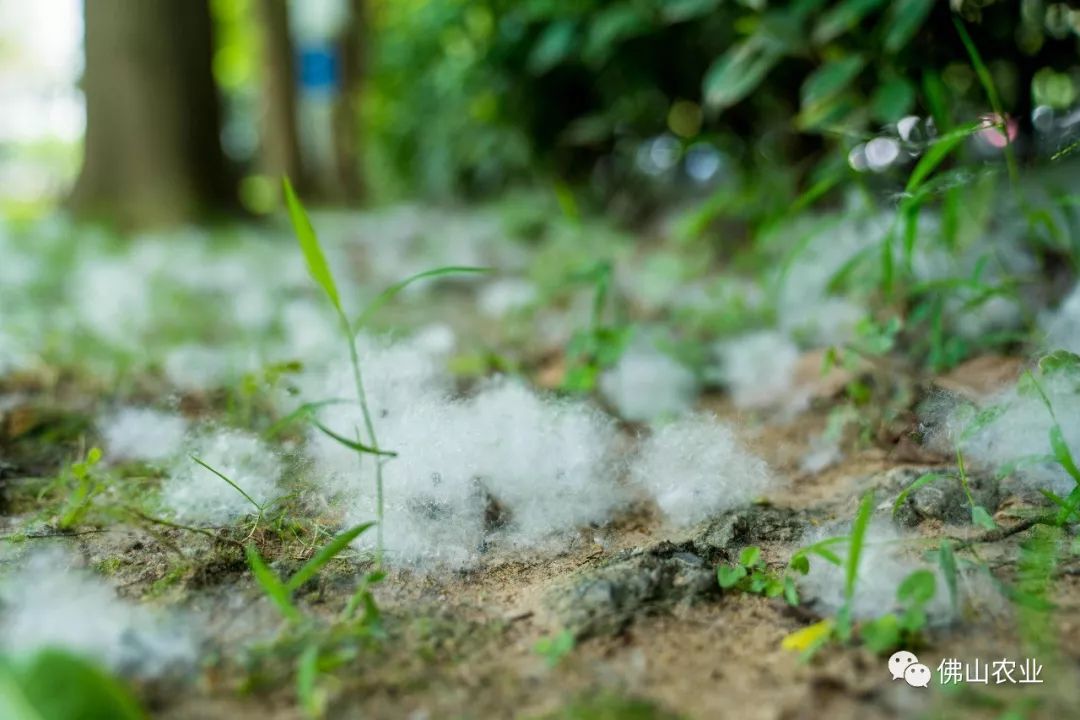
{"x": 391, "y": 292}
{"x": 855, "y": 546}
{"x": 234, "y": 486}
{"x": 309, "y": 245}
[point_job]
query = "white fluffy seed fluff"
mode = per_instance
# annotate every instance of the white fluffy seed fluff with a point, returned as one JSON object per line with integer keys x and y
{"x": 1062, "y": 327}
{"x": 505, "y": 466}
{"x": 133, "y": 433}
{"x": 195, "y": 494}
{"x": 887, "y": 558}
{"x": 47, "y": 603}
{"x": 1019, "y": 430}
{"x": 758, "y": 368}
{"x": 696, "y": 467}
{"x": 647, "y": 384}
{"x": 501, "y": 297}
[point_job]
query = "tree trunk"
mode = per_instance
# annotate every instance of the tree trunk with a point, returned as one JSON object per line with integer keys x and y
{"x": 347, "y": 112}
{"x": 153, "y": 152}
{"x": 280, "y": 153}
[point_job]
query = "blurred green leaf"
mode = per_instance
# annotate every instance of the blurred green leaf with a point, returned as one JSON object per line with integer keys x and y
{"x": 903, "y": 20}
{"x": 554, "y": 46}
{"x": 830, "y": 79}
{"x": 893, "y": 99}
{"x": 842, "y": 17}
{"x": 309, "y": 245}
{"x": 271, "y": 585}
{"x": 917, "y": 588}
{"x": 739, "y": 71}
{"x": 56, "y": 685}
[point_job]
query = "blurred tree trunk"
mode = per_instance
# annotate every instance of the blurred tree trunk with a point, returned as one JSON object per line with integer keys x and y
{"x": 153, "y": 152}
{"x": 280, "y": 137}
{"x": 347, "y": 112}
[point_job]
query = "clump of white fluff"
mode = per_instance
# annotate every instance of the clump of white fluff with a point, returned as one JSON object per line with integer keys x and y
{"x": 886, "y": 560}
{"x": 697, "y": 467}
{"x": 1062, "y": 327}
{"x": 506, "y": 467}
{"x": 501, "y": 297}
{"x": 198, "y": 368}
{"x": 133, "y": 433}
{"x": 758, "y": 368}
{"x": 195, "y": 494}
{"x": 121, "y": 309}
{"x": 49, "y": 604}
{"x": 1018, "y": 428}
{"x": 647, "y": 384}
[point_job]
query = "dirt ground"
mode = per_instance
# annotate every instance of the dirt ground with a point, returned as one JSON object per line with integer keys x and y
{"x": 463, "y": 645}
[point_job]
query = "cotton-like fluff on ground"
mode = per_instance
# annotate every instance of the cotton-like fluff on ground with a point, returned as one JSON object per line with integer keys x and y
{"x": 758, "y": 369}
{"x": 505, "y": 466}
{"x": 1009, "y": 427}
{"x": 504, "y": 296}
{"x": 696, "y": 467}
{"x": 194, "y": 494}
{"x": 48, "y": 603}
{"x": 1062, "y": 327}
{"x": 887, "y": 558}
{"x": 133, "y": 433}
{"x": 198, "y": 368}
{"x": 647, "y": 384}
{"x": 805, "y": 305}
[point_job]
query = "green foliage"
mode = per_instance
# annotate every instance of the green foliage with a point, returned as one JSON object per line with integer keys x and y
{"x": 892, "y": 631}
{"x": 80, "y": 484}
{"x": 56, "y": 685}
{"x": 280, "y": 592}
{"x": 598, "y": 347}
{"x": 751, "y": 575}
{"x": 556, "y": 647}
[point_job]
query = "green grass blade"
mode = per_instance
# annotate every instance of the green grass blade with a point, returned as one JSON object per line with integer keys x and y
{"x": 307, "y": 676}
{"x": 325, "y": 555}
{"x": 303, "y": 412}
{"x": 947, "y": 561}
{"x": 855, "y": 546}
{"x": 271, "y": 585}
{"x": 920, "y": 482}
{"x": 309, "y": 245}
{"x": 1062, "y": 453}
{"x": 234, "y": 486}
{"x": 352, "y": 444}
{"x": 936, "y": 154}
{"x": 391, "y": 292}
{"x": 987, "y": 81}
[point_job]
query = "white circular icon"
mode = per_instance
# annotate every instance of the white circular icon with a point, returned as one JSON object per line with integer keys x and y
{"x": 899, "y": 662}
{"x": 917, "y": 675}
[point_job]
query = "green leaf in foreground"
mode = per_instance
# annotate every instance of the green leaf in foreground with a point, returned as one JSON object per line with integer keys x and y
{"x": 271, "y": 585}
{"x": 325, "y": 555}
{"x": 56, "y": 685}
{"x": 309, "y": 245}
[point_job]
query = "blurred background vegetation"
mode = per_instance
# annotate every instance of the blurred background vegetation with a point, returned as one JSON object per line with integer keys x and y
{"x": 184, "y": 110}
